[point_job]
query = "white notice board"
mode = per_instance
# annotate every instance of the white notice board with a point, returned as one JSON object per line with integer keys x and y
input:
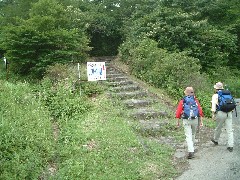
{"x": 96, "y": 71}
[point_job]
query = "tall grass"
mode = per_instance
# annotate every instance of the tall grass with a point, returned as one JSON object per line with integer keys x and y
{"x": 26, "y": 143}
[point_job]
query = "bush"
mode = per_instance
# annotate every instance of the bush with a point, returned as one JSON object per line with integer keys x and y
{"x": 61, "y": 100}
{"x": 57, "y": 72}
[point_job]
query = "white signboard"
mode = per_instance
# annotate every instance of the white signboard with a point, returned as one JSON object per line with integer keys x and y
{"x": 96, "y": 71}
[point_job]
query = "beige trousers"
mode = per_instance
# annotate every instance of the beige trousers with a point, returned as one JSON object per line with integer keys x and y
{"x": 222, "y": 119}
{"x": 190, "y": 127}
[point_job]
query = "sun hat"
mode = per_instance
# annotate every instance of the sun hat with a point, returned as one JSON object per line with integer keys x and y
{"x": 218, "y": 85}
{"x": 189, "y": 91}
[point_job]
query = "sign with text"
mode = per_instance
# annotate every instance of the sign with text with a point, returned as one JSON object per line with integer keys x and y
{"x": 96, "y": 71}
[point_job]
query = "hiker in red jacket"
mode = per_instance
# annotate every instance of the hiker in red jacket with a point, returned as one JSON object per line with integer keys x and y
{"x": 190, "y": 111}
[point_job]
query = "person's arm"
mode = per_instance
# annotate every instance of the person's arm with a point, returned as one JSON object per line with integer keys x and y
{"x": 214, "y": 103}
{"x": 200, "y": 113}
{"x": 179, "y": 112}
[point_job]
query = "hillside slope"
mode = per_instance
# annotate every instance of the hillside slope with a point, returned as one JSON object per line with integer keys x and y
{"x": 158, "y": 123}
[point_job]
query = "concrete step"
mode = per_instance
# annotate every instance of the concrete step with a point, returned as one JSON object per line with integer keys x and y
{"x": 109, "y": 75}
{"x": 153, "y": 124}
{"x": 137, "y": 103}
{"x": 131, "y": 87}
{"x": 147, "y": 114}
{"x": 151, "y": 127}
{"x": 120, "y": 83}
{"x": 118, "y": 78}
{"x": 129, "y": 95}
{"x": 113, "y": 72}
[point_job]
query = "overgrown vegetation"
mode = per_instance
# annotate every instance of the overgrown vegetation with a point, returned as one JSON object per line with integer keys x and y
{"x": 26, "y": 141}
{"x": 168, "y": 44}
{"x": 91, "y": 142}
{"x": 173, "y": 46}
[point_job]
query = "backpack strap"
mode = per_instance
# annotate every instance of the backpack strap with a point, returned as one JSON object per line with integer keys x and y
{"x": 236, "y": 111}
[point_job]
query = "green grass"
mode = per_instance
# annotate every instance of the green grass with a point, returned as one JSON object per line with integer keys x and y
{"x": 102, "y": 145}
{"x": 26, "y": 143}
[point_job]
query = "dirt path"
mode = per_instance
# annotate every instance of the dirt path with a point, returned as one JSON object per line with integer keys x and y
{"x": 215, "y": 162}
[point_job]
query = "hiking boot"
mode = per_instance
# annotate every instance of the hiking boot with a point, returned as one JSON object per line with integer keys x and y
{"x": 230, "y": 149}
{"x": 215, "y": 142}
{"x": 190, "y": 155}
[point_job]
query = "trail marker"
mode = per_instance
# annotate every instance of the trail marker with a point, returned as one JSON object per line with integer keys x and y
{"x": 96, "y": 71}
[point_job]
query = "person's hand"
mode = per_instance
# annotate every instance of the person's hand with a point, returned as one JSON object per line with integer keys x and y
{"x": 201, "y": 124}
{"x": 213, "y": 116}
{"x": 178, "y": 123}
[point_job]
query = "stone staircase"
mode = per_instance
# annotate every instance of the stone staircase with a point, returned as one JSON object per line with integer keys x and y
{"x": 141, "y": 106}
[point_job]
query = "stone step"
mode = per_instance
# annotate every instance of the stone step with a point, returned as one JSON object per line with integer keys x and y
{"x": 103, "y": 58}
{"x": 112, "y": 69}
{"x": 147, "y": 114}
{"x": 136, "y": 103}
{"x": 118, "y": 78}
{"x": 129, "y": 95}
{"x": 114, "y": 72}
{"x": 151, "y": 127}
{"x": 131, "y": 87}
{"x": 153, "y": 124}
{"x": 109, "y": 75}
{"x": 120, "y": 83}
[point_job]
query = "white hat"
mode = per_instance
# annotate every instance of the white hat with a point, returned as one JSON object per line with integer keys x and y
{"x": 218, "y": 85}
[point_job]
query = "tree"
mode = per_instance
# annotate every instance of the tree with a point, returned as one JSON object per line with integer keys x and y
{"x": 177, "y": 31}
{"x": 52, "y": 34}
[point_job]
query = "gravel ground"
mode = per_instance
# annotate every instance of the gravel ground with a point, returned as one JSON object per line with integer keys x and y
{"x": 216, "y": 162}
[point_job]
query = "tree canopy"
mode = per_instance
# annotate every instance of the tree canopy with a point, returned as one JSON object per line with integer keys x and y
{"x": 38, "y": 33}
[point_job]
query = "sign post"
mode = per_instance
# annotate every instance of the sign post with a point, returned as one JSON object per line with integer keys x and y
{"x": 79, "y": 80}
{"x": 6, "y": 66}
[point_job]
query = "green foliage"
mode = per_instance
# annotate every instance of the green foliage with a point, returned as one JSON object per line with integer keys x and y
{"x": 91, "y": 89}
{"x": 61, "y": 101}
{"x": 45, "y": 38}
{"x": 57, "y": 73}
{"x": 193, "y": 46}
{"x": 222, "y": 15}
{"x": 26, "y": 143}
{"x": 176, "y": 30}
{"x": 229, "y": 77}
{"x": 172, "y": 72}
{"x": 103, "y": 28}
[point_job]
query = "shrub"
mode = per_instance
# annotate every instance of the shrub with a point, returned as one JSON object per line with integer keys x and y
{"x": 57, "y": 72}
{"x": 61, "y": 101}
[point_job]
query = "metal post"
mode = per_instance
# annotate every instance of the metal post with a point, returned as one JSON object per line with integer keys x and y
{"x": 79, "y": 76}
{"x": 6, "y": 66}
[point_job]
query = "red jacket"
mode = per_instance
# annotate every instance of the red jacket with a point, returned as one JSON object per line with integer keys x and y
{"x": 179, "y": 110}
